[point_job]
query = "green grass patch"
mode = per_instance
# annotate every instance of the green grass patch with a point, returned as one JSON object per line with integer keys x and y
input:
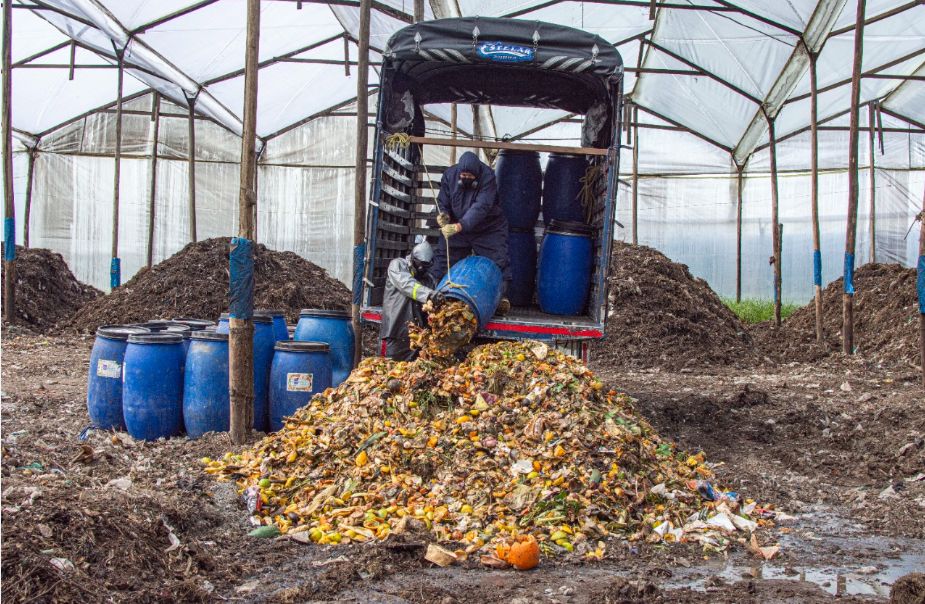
{"x": 758, "y": 311}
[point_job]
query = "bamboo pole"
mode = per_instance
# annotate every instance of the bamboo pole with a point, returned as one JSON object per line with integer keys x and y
{"x": 635, "y": 118}
{"x": 115, "y": 270}
{"x": 359, "y": 201}
{"x": 775, "y": 221}
{"x": 9, "y": 228}
{"x": 872, "y": 191}
{"x": 152, "y": 191}
{"x": 851, "y": 234}
{"x": 191, "y": 172}
{"x": 814, "y": 193}
{"x": 921, "y": 292}
{"x": 241, "y": 329}
{"x": 454, "y": 131}
{"x": 740, "y": 183}
{"x": 27, "y": 215}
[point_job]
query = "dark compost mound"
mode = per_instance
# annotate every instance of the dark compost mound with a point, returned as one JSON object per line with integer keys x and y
{"x": 885, "y": 320}
{"x": 194, "y": 283}
{"x": 46, "y": 290}
{"x": 662, "y": 316}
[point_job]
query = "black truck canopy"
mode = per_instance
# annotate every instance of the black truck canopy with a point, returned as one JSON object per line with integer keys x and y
{"x": 511, "y": 62}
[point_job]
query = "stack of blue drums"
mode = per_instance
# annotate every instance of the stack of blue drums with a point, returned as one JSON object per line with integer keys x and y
{"x": 334, "y": 328}
{"x": 520, "y": 181}
{"x": 562, "y": 188}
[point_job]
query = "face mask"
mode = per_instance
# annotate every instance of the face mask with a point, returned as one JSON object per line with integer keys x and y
{"x": 468, "y": 183}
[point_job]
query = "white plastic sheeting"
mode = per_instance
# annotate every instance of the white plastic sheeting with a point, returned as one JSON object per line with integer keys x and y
{"x": 305, "y": 179}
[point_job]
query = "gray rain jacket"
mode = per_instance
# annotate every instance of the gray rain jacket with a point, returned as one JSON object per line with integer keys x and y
{"x": 402, "y": 289}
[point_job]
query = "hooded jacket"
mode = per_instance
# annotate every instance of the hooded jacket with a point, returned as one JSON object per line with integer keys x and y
{"x": 403, "y": 288}
{"x": 477, "y": 208}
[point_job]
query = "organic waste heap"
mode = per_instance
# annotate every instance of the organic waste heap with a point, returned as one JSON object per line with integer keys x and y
{"x": 449, "y": 327}
{"x": 516, "y": 442}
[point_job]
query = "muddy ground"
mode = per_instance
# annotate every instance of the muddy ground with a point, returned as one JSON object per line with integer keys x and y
{"x": 837, "y": 444}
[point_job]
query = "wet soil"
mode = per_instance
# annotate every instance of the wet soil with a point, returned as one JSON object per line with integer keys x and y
{"x": 111, "y": 519}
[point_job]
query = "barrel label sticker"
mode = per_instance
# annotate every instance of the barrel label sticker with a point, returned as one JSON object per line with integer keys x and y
{"x": 109, "y": 369}
{"x": 299, "y": 382}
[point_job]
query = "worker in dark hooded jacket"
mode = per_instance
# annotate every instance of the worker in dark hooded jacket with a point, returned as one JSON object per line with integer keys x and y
{"x": 406, "y": 290}
{"x": 471, "y": 219}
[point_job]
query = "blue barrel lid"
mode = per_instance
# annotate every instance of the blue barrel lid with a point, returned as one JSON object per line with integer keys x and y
{"x": 120, "y": 332}
{"x": 321, "y": 312}
{"x": 565, "y": 227}
{"x": 303, "y": 346}
{"x": 208, "y": 334}
{"x": 155, "y": 338}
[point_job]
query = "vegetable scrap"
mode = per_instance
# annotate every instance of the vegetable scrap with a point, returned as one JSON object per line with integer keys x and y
{"x": 519, "y": 444}
{"x": 450, "y": 326}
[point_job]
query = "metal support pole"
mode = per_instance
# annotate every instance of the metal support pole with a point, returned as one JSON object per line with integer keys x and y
{"x": 775, "y": 221}
{"x": 851, "y": 234}
{"x": 740, "y": 183}
{"x": 814, "y": 193}
{"x": 152, "y": 191}
{"x": 9, "y": 225}
{"x": 115, "y": 269}
{"x": 359, "y": 202}
{"x": 241, "y": 324}
{"x": 27, "y": 215}
{"x": 635, "y": 118}
{"x": 454, "y": 131}
{"x": 872, "y": 191}
{"x": 192, "y": 168}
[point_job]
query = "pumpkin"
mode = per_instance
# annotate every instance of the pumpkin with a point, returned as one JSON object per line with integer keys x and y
{"x": 523, "y": 553}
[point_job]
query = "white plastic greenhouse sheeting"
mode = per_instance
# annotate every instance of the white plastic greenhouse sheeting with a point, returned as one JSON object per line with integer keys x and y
{"x": 687, "y": 186}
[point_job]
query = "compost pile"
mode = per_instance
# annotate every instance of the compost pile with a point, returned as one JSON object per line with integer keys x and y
{"x": 449, "y": 327}
{"x": 885, "y": 320}
{"x": 516, "y": 440}
{"x": 46, "y": 290}
{"x": 194, "y": 283}
{"x": 662, "y": 316}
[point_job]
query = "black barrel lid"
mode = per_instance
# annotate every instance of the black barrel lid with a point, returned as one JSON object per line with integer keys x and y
{"x": 120, "y": 332}
{"x": 569, "y": 155}
{"x": 259, "y": 317}
{"x": 273, "y": 312}
{"x": 208, "y": 334}
{"x": 569, "y": 228}
{"x": 518, "y": 152}
{"x": 303, "y": 346}
{"x": 194, "y": 323}
{"x": 156, "y": 338}
{"x": 519, "y": 230}
{"x": 321, "y": 312}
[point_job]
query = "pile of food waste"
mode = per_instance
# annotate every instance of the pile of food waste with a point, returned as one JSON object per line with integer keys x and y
{"x": 450, "y": 326}
{"x": 517, "y": 443}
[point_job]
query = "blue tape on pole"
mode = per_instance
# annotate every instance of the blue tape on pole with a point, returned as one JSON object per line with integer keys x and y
{"x": 359, "y": 253}
{"x": 9, "y": 239}
{"x": 115, "y": 273}
{"x": 817, "y": 268}
{"x": 849, "y": 274}
{"x": 241, "y": 283}
{"x": 920, "y": 284}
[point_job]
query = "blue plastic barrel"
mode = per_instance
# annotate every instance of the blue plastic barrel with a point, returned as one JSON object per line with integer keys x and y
{"x": 300, "y": 370}
{"x": 205, "y": 384}
{"x": 521, "y": 247}
{"x": 222, "y": 323}
{"x": 332, "y": 327}
{"x": 160, "y": 326}
{"x": 480, "y": 279}
{"x": 264, "y": 339}
{"x": 279, "y": 322}
{"x": 152, "y": 394}
{"x": 520, "y": 182}
{"x": 104, "y": 385}
{"x": 564, "y": 271}
{"x": 562, "y": 188}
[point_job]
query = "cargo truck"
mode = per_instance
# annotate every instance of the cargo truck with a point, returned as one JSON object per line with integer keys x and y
{"x": 494, "y": 62}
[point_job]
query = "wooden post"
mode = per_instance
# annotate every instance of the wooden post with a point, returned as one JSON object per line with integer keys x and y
{"x": 454, "y": 131}
{"x": 477, "y": 128}
{"x": 241, "y": 330}
{"x": 921, "y": 279}
{"x": 115, "y": 271}
{"x": 418, "y": 10}
{"x": 359, "y": 201}
{"x": 775, "y": 221}
{"x": 740, "y": 184}
{"x": 152, "y": 191}
{"x": 872, "y": 191}
{"x": 27, "y": 215}
{"x": 814, "y": 193}
{"x": 850, "y": 235}
{"x": 9, "y": 228}
{"x": 635, "y": 218}
{"x": 192, "y": 169}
